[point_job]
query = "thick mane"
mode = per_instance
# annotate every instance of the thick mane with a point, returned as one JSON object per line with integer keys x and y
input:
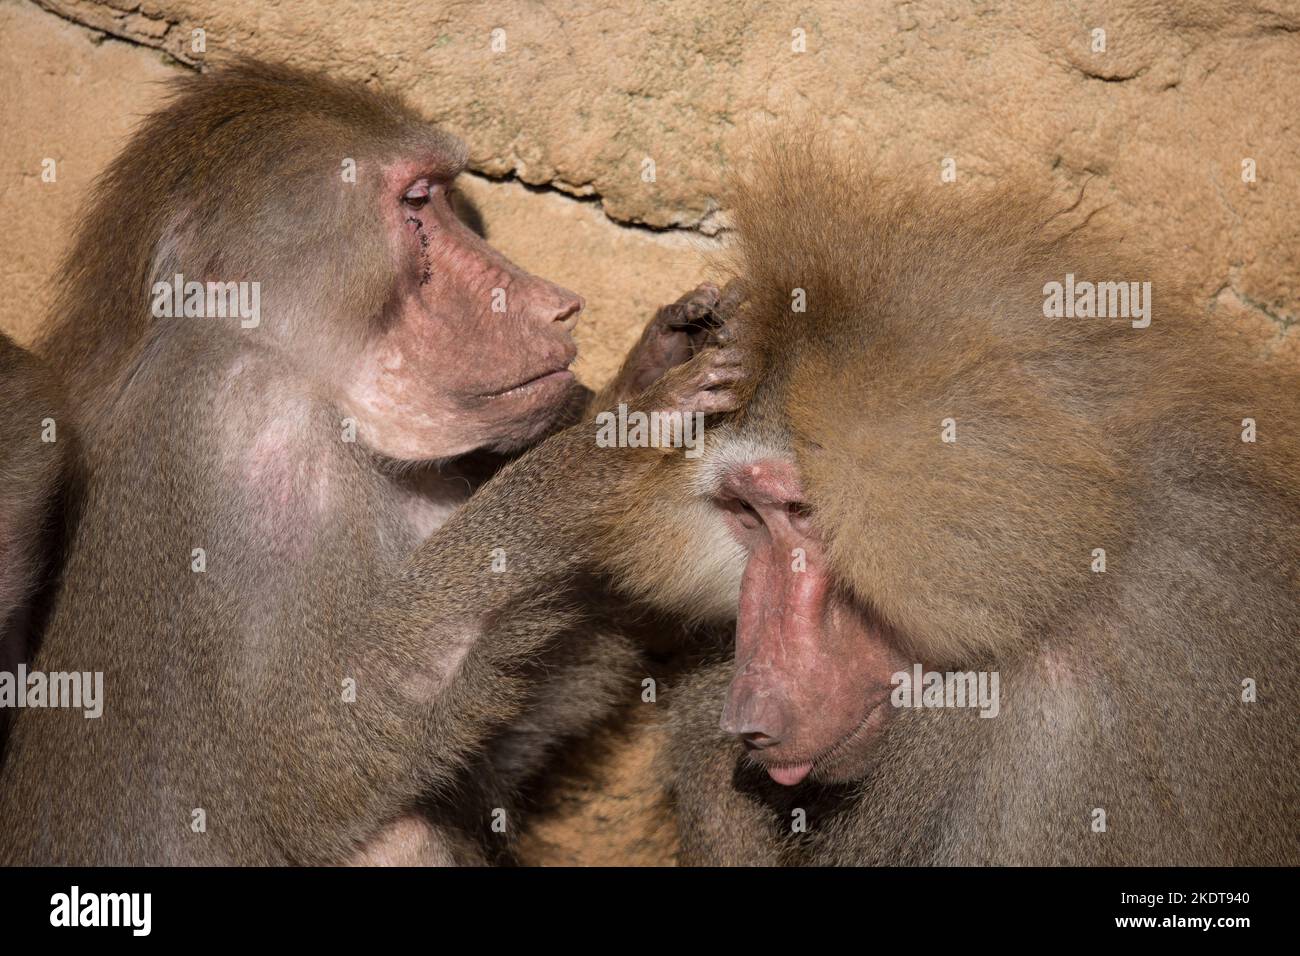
{"x": 924, "y": 305}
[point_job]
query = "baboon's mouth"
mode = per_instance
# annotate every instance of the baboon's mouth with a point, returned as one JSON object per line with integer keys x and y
{"x": 824, "y": 765}
{"x": 553, "y": 376}
{"x": 790, "y": 774}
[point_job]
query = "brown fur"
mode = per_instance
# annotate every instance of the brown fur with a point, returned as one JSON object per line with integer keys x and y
{"x": 1119, "y": 690}
{"x": 32, "y": 472}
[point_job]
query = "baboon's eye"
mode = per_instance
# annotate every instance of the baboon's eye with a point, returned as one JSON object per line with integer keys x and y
{"x": 800, "y": 515}
{"x": 742, "y": 512}
{"x": 416, "y": 196}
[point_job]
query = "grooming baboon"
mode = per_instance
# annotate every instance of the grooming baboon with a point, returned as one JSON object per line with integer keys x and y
{"x": 313, "y": 649}
{"x": 32, "y": 459}
{"x": 929, "y": 471}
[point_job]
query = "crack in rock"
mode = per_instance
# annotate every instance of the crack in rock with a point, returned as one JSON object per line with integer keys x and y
{"x": 123, "y": 20}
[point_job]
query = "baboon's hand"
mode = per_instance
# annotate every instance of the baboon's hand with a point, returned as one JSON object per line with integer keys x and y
{"x": 710, "y": 383}
{"x": 720, "y": 325}
{"x": 678, "y": 331}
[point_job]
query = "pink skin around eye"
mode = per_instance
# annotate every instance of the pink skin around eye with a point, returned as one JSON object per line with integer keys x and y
{"x": 449, "y": 371}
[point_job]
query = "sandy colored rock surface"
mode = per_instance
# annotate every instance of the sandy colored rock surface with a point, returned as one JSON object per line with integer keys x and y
{"x": 605, "y": 806}
{"x": 68, "y": 96}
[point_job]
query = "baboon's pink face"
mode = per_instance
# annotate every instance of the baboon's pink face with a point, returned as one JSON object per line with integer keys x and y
{"x": 474, "y": 351}
{"x": 813, "y": 666}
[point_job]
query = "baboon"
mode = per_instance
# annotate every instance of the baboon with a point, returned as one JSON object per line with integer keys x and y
{"x": 1099, "y": 512}
{"x": 316, "y": 646}
{"x": 32, "y": 463}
